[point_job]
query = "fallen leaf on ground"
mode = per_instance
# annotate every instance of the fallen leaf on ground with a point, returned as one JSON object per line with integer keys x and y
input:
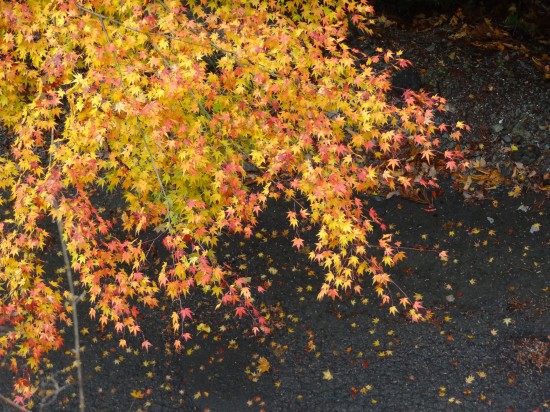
{"x": 327, "y": 375}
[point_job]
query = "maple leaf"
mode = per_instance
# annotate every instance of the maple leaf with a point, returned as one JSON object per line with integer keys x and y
{"x": 462, "y": 125}
{"x": 292, "y": 218}
{"x": 298, "y": 243}
{"x": 451, "y": 165}
{"x": 443, "y": 127}
{"x": 119, "y": 326}
{"x": 146, "y": 345}
{"x": 333, "y": 293}
{"x": 327, "y": 375}
{"x": 393, "y": 163}
{"x": 137, "y": 394}
{"x": 240, "y": 311}
{"x": 202, "y": 327}
{"x": 263, "y": 365}
{"x": 427, "y": 154}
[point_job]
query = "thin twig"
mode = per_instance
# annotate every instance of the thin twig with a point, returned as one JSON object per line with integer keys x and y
{"x": 142, "y": 131}
{"x": 51, "y": 398}
{"x": 73, "y": 299}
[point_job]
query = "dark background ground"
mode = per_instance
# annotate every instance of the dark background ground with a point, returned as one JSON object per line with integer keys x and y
{"x": 488, "y": 345}
{"x": 488, "y": 281}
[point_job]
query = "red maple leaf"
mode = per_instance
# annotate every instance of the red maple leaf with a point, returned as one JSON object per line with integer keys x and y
{"x": 186, "y": 313}
{"x": 240, "y": 311}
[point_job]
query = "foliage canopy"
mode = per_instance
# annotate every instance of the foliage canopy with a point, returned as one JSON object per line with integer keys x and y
{"x": 195, "y": 113}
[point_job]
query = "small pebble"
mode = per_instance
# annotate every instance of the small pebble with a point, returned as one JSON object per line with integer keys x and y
{"x": 497, "y": 127}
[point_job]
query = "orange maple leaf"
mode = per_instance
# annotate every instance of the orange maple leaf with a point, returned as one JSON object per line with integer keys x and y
{"x": 298, "y": 243}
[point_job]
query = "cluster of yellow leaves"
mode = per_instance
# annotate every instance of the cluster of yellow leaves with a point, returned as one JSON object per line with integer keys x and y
{"x": 163, "y": 106}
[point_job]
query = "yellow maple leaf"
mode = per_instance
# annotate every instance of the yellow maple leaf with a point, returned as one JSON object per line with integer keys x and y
{"x": 137, "y": 394}
{"x": 327, "y": 375}
{"x": 202, "y": 327}
{"x": 263, "y": 365}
